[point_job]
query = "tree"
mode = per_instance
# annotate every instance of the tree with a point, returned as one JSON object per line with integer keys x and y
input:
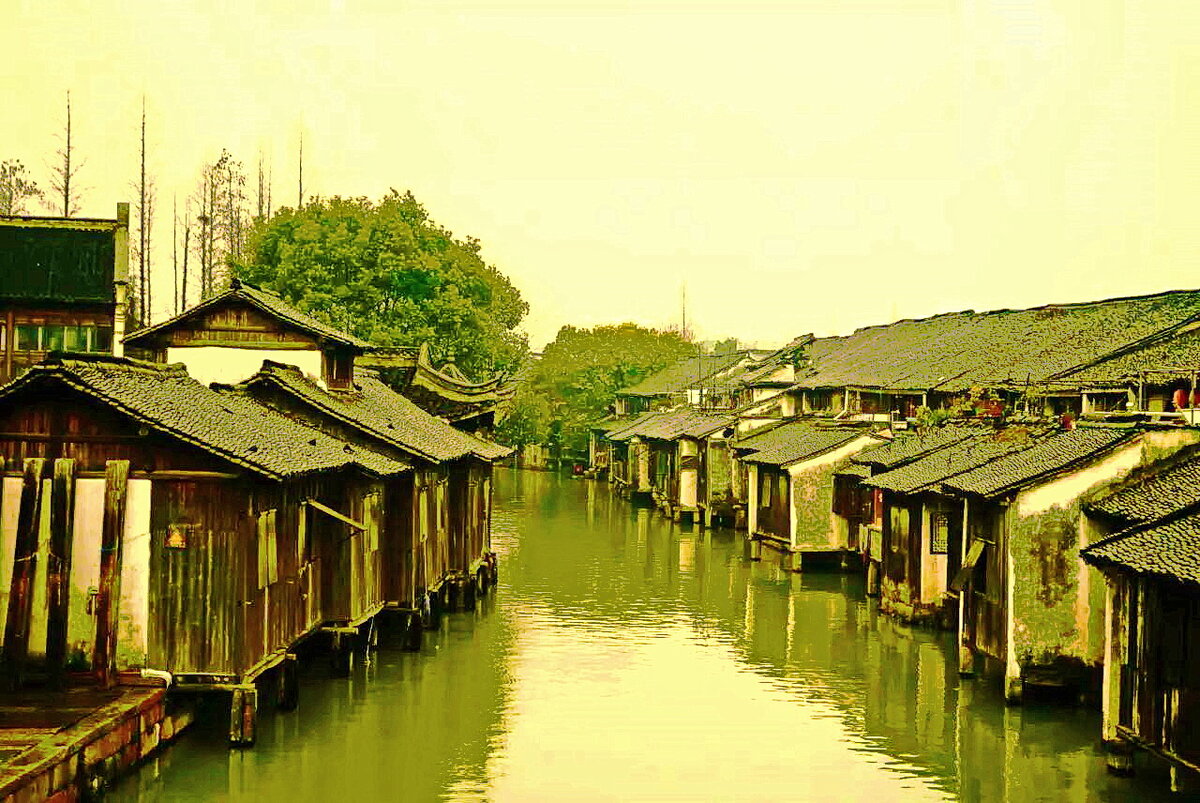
{"x": 580, "y": 372}
{"x": 62, "y": 179}
{"x": 386, "y": 272}
{"x": 142, "y": 247}
{"x": 221, "y": 220}
{"x": 16, "y": 188}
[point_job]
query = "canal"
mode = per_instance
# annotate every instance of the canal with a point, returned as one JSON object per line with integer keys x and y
{"x": 626, "y": 657}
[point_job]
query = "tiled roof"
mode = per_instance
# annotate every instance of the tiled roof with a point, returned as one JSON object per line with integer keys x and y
{"x": 671, "y": 424}
{"x": 1043, "y": 457}
{"x": 799, "y": 440}
{"x": 1170, "y": 549}
{"x": 632, "y": 428}
{"x": 266, "y": 301}
{"x": 230, "y": 426}
{"x": 854, "y": 470}
{"x": 1162, "y": 493}
{"x": 907, "y": 447}
{"x": 942, "y": 464}
{"x": 960, "y": 350}
{"x": 764, "y": 437}
{"x": 378, "y": 410}
{"x": 686, "y": 373}
{"x": 607, "y": 425}
{"x": 1180, "y": 352}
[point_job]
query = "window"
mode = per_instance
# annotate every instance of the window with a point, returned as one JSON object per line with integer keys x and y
{"x": 75, "y": 338}
{"x": 939, "y": 539}
{"x": 766, "y": 484}
{"x": 52, "y": 337}
{"x": 102, "y": 339}
{"x": 268, "y": 556}
{"x": 28, "y": 337}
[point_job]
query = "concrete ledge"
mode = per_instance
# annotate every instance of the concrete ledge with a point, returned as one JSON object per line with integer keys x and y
{"x": 81, "y": 759}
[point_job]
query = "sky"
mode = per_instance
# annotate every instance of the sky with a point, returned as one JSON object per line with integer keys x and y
{"x": 804, "y": 166}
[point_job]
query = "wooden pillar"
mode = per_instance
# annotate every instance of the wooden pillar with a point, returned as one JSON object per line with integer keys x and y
{"x": 966, "y": 658}
{"x": 20, "y": 600}
{"x": 10, "y": 345}
{"x": 1114, "y": 641}
{"x": 104, "y": 656}
{"x": 243, "y": 715}
{"x": 58, "y": 575}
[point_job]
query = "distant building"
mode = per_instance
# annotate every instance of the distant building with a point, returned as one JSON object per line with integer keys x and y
{"x": 63, "y": 287}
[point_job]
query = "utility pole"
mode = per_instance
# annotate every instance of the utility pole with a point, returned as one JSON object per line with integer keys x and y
{"x": 300, "y": 194}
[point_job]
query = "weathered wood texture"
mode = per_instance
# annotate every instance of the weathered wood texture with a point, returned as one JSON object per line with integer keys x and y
{"x": 986, "y": 609}
{"x": 774, "y": 517}
{"x": 1156, "y": 631}
{"x": 58, "y": 574}
{"x": 104, "y": 658}
{"x": 233, "y": 323}
{"x": 20, "y": 600}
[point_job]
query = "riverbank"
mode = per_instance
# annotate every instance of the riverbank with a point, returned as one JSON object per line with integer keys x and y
{"x": 71, "y": 745}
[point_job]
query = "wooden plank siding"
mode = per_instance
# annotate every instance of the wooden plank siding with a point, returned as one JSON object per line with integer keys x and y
{"x": 774, "y": 503}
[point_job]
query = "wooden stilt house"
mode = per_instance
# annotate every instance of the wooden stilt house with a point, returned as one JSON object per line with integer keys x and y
{"x": 1027, "y": 601}
{"x": 1151, "y": 567}
{"x": 442, "y": 509}
{"x": 148, "y": 522}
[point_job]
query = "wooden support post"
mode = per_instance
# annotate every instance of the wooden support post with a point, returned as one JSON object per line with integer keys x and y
{"x": 414, "y": 632}
{"x": 467, "y": 593}
{"x": 104, "y": 656}
{"x": 243, "y": 716}
{"x": 58, "y": 575}
{"x": 966, "y": 656}
{"x": 288, "y": 683}
{"x": 341, "y": 658}
{"x": 20, "y": 600}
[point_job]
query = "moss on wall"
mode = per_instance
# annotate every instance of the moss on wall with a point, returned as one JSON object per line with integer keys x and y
{"x": 812, "y": 507}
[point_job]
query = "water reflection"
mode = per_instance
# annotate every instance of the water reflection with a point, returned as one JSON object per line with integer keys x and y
{"x": 626, "y": 657}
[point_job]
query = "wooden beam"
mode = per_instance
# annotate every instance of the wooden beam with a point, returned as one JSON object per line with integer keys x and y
{"x": 20, "y": 600}
{"x": 58, "y": 567}
{"x": 104, "y": 655}
{"x": 331, "y": 512}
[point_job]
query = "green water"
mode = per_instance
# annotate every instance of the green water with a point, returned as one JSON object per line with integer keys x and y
{"x": 624, "y": 657}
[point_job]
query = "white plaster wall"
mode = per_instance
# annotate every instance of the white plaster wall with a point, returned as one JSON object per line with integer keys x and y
{"x": 208, "y": 364}
{"x": 829, "y": 460}
{"x": 85, "y": 565}
{"x": 1065, "y": 489}
{"x": 688, "y": 477}
{"x": 10, "y": 501}
{"x": 752, "y": 498}
{"x": 933, "y": 567}
{"x": 134, "y": 612}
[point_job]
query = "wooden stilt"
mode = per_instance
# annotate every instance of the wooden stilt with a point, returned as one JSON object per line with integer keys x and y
{"x": 414, "y": 632}
{"x": 288, "y": 684}
{"x": 341, "y": 659}
{"x": 104, "y": 656}
{"x": 243, "y": 716}
{"x": 20, "y": 600}
{"x": 58, "y": 576}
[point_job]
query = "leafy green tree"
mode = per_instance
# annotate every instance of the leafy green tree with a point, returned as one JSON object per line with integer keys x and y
{"x": 16, "y": 188}
{"x": 386, "y": 272}
{"x": 579, "y": 373}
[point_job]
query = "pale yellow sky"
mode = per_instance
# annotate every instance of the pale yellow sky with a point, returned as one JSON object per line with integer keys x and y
{"x": 803, "y": 166}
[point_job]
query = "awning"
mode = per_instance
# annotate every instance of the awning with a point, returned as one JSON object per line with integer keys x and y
{"x": 973, "y": 555}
